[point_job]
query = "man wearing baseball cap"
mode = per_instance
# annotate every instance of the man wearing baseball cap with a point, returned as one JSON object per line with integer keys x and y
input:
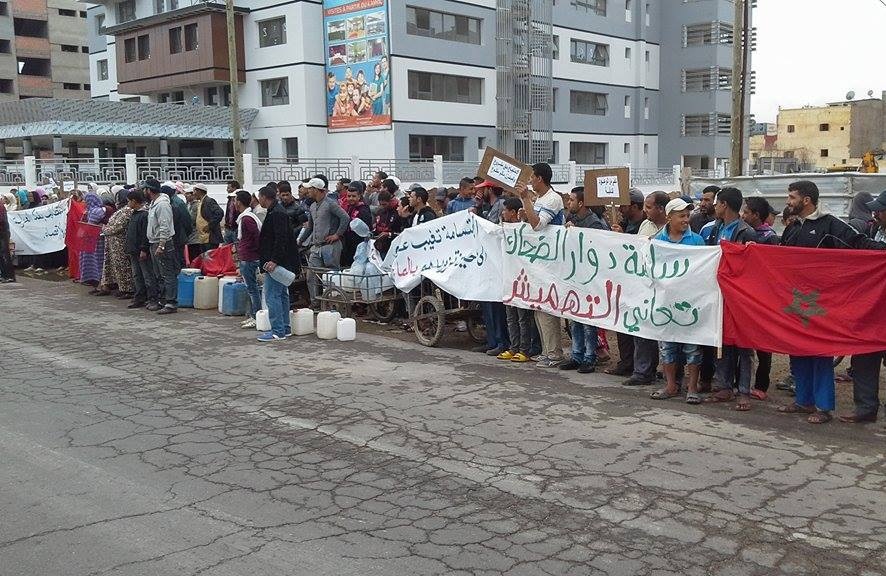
{"x": 324, "y": 232}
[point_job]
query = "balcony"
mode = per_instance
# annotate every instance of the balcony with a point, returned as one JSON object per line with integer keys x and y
{"x": 30, "y": 47}
{"x": 188, "y": 50}
{"x": 33, "y": 9}
{"x": 37, "y": 86}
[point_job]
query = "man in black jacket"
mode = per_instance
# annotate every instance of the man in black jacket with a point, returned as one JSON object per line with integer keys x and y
{"x": 814, "y": 375}
{"x": 728, "y": 225}
{"x": 276, "y": 248}
{"x": 138, "y": 250}
{"x": 209, "y": 218}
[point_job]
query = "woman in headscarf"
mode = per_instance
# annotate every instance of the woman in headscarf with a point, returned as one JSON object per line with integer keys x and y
{"x": 91, "y": 262}
{"x": 116, "y": 270}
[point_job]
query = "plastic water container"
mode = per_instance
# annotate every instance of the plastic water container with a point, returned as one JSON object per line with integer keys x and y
{"x": 234, "y": 299}
{"x": 222, "y": 282}
{"x": 186, "y": 287}
{"x": 205, "y": 293}
{"x": 262, "y": 321}
{"x": 303, "y": 322}
{"x": 327, "y": 325}
{"x": 346, "y": 329}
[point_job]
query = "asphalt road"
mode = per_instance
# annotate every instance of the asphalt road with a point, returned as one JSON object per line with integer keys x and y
{"x": 134, "y": 444}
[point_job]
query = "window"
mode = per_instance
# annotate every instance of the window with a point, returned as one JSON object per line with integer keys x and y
{"x": 290, "y": 145}
{"x": 442, "y": 25}
{"x": 5, "y": 47}
{"x": 589, "y": 52}
{"x": 699, "y": 80}
{"x": 84, "y": 49}
{"x": 696, "y": 125}
{"x": 125, "y": 11}
{"x": 587, "y": 152}
{"x": 272, "y": 32}
{"x": 450, "y": 147}
{"x": 824, "y": 153}
{"x": 172, "y": 97}
{"x": 554, "y": 93}
{"x": 30, "y": 28}
{"x": 707, "y": 33}
{"x": 627, "y": 148}
{"x": 646, "y": 56}
{"x": 100, "y": 24}
{"x": 191, "y": 40}
{"x": 87, "y": 86}
{"x": 83, "y": 14}
{"x": 261, "y": 150}
{"x": 445, "y": 88}
{"x": 481, "y": 142}
{"x": 34, "y": 67}
{"x": 592, "y": 103}
{"x": 275, "y": 92}
{"x": 101, "y": 67}
{"x": 629, "y": 10}
{"x": 790, "y": 128}
{"x": 70, "y": 86}
{"x": 64, "y": 12}
{"x": 175, "y": 40}
{"x": 144, "y": 47}
{"x": 4, "y": 11}
{"x": 627, "y": 106}
{"x": 555, "y": 54}
{"x": 165, "y": 6}
{"x": 646, "y": 148}
{"x": 824, "y": 127}
{"x": 213, "y": 98}
{"x": 789, "y": 154}
{"x": 627, "y": 52}
{"x": 129, "y": 50}
{"x": 69, "y": 48}
{"x": 645, "y": 108}
{"x": 648, "y": 21}
{"x": 598, "y": 7}
{"x": 5, "y": 86}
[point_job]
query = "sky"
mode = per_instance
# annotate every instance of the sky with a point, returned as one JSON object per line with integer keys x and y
{"x": 815, "y": 51}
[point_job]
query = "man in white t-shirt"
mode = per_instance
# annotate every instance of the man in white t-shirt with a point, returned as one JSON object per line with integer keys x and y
{"x": 545, "y": 210}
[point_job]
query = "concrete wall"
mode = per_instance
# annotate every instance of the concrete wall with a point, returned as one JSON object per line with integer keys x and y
{"x": 807, "y": 140}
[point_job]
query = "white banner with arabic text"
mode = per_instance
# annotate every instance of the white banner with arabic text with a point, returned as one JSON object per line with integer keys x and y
{"x": 39, "y": 230}
{"x": 651, "y": 289}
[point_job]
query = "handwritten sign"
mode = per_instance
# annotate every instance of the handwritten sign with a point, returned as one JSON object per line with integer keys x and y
{"x": 68, "y": 185}
{"x": 646, "y": 288}
{"x": 460, "y": 253}
{"x": 503, "y": 170}
{"x": 39, "y": 230}
{"x": 607, "y": 187}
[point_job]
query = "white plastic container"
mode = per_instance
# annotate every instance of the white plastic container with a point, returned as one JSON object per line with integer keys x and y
{"x": 206, "y": 293}
{"x": 303, "y": 322}
{"x": 262, "y": 321}
{"x": 327, "y": 325}
{"x": 346, "y": 329}
{"x": 221, "y": 289}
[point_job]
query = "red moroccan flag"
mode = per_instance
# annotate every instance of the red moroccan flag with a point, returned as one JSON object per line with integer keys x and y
{"x": 803, "y": 301}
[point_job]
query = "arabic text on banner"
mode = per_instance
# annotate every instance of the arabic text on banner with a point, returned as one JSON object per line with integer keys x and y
{"x": 646, "y": 288}
{"x": 460, "y": 253}
{"x": 39, "y": 230}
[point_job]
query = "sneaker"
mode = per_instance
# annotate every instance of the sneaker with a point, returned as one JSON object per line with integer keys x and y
{"x": 494, "y": 352}
{"x": 248, "y": 323}
{"x": 7, "y": 280}
{"x": 785, "y": 383}
{"x": 539, "y": 358}
{"x": 269, "y": 337}
{"x": 585, "y": 368}
{"x": 167, "y": 310}
{"x": 135, "y": 305}
{"x": 153, "y": 307}
{"x": 461, "y": 326}
{"x": 549, "y": 363}
{"x": 506, "y": 355}
{"x": 636, "y": 382}
{"x": 30, "y": 268}
{"x": 569, "y": 365}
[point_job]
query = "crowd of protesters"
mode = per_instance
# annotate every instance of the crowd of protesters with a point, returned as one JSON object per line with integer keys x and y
{"x": 150, "y": 230}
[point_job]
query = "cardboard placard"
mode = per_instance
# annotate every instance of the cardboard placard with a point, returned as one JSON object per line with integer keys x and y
{"x": 608, "y": 187}
{"x": 68, "y": 185}
{"x": 505, "y": 171}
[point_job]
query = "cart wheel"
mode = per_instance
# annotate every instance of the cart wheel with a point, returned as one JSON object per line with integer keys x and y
{"x": 384, "y": 311}
{"x": 476, "y": 329}
{"x": 428, "y": 320}
{"x": 334, "y": 298}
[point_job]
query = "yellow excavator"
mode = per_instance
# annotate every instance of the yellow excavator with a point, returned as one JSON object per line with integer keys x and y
{"x": 868, "y": 163}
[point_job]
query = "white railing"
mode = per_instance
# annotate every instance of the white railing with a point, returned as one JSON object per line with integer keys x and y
{"x": 84, "y": 170}
{"x": 187, "y": 169}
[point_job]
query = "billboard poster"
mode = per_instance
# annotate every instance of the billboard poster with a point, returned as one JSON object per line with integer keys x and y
{"x": 358, "y": 85}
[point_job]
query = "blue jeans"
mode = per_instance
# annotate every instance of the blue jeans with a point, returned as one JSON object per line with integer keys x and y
{"x": 277, "y": 296}
{"x": 249, "y": 271}
{"x": 496, "y": 325}
{"x": 814, "y": 381}
{"x": 584, "y": 342}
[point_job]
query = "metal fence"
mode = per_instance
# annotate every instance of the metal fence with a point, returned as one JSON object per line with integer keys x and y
{"x": 100, "y": 171}
{"x": 266, "y": 170}
{"x": 187, "y": 169}
{"x": 405, "y": 170}
{"x": 12, "y": 172}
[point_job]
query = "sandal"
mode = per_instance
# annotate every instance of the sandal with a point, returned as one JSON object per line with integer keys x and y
{"x": 759, "y": 394}
{"x": 720, "y": 396}
{"x": 796, "y": 409}
{"x": 693, "y": 398}
{"x": 819, "y": 417}
{"x": 664, "y": 394}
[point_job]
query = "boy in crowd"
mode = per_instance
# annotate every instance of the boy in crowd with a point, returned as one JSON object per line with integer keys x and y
{"x": 519, "y": 320}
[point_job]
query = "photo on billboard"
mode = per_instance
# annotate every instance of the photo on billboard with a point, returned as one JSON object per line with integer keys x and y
{"x": 358, "y": 87}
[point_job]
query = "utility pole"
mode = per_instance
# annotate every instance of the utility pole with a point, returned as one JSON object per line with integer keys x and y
{"x": 235, "y": 99}
{"x": 737, "y": 130}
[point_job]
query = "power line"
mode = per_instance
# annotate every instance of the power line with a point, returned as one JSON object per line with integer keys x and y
{"x": 883, "y": 2}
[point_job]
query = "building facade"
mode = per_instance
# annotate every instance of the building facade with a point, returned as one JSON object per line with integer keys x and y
{"x": 43, "y": 50}
{"x": 609, "y": 68}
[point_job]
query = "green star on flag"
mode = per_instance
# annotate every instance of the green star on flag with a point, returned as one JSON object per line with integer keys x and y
{"x": 805, "y": 306}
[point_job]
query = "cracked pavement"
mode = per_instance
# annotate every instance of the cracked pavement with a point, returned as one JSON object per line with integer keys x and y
{"x": 134, "y": 444}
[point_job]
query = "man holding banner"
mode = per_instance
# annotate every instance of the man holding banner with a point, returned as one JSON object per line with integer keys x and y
{"x": 7, "y": 271}
{"x": 545, "y": 210}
